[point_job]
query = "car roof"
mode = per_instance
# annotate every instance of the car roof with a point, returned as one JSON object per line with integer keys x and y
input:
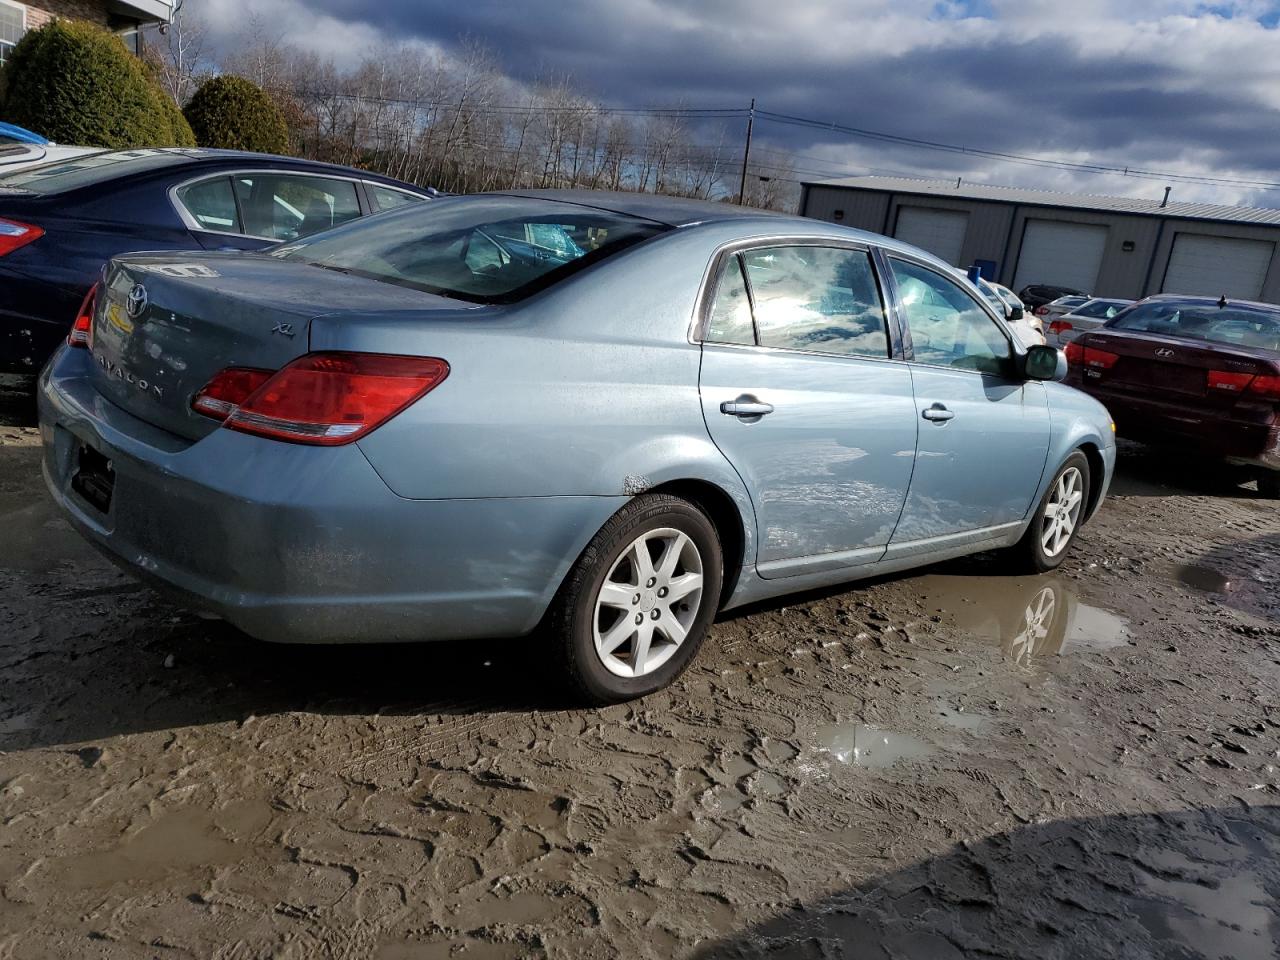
{"x": 686, "y": 212}
{"x": 672, "y": 211}
{"x": 148, "y": 161}
{"x": 1201, "y": 301}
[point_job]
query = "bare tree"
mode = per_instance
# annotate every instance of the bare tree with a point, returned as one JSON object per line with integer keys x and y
{"x": 176, "y": 50}
{"x": 457, "y": 122}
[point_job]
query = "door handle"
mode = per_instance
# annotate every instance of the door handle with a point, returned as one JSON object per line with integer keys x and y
{"x": 938, "y": 413}
{"x": 747, "y": 407}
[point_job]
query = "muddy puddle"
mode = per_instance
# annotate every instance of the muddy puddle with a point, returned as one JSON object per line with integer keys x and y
{"x": 1029, "y": 618}
{"x": 859, "y": 745}
{"x": 1206, "y": 579}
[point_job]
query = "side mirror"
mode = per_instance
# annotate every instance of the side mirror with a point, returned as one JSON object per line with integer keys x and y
{"x": 1016, "y": 314}
{"x": 1044, "y": 363}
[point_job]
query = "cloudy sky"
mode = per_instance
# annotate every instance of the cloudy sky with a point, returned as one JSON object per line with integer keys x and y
{"x": 1166, "y": 85}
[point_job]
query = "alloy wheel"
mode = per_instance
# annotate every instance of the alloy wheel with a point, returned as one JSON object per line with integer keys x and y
{"x": 648, "y": 602}
{"x": 1062, "y": 512}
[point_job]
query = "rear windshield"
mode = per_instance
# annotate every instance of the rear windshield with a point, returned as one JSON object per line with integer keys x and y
{"x": 484, "y": 249}
{"x": 60, "y": 176}
{"x": 1238, "y": 326}
{"x": 1105, "y": 309}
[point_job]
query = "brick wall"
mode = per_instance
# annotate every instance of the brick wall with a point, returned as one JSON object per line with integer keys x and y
{"x": 40, "y": 12}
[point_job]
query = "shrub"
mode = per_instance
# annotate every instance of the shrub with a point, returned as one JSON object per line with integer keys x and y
{"x": 234, "y": 114}
{"x": 75, "y": 83}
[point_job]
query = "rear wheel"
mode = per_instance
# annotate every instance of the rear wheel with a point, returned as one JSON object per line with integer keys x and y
{"x": 637, "y": 604}
{"x": 1269, "y": 485}
{"x": 1057, "y": 520}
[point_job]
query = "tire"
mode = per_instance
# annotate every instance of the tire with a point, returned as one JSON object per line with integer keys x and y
{"x": 593, "y": 627}
{"x": 1031, "y": 555}
{"x": 1269, "y": 485}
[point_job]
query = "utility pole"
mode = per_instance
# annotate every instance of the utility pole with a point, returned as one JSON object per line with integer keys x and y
{"x": 746, "y": 155}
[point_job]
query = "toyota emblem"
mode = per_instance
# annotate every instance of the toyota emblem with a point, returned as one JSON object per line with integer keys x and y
{"x": 136, "y": 303}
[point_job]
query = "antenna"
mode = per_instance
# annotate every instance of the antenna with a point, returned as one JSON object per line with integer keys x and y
{"x": 1165, "y": 202}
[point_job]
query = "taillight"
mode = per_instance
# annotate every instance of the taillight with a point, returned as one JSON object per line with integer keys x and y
{"x": 81, "y": 334}
{"x": 1090, "y": 356}
{"x": 1060, "y": 326}
{"x": 232, "y": 387}
{"x": 1267, "y": 387}
{"x": 334, "y": 398}
{"x": 14, "y": 235}
{"x": 1229, "y": 381}
{"x": 1041, "y": 311}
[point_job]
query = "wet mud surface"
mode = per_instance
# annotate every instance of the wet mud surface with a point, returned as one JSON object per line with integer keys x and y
{"x": 955, "y": 763}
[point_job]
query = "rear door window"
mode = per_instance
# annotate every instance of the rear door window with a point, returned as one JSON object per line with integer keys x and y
{"x": 211, "y": 204}
{"x": 819, "y": 299}
{"x": 288, "y": 206}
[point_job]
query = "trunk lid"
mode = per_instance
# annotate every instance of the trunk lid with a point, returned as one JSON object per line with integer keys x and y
{"x": 165, "y": 324}
{"x": 1176, "y": 368}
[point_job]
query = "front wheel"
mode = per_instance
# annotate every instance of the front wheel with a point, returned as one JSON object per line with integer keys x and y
{"x": 1057, "y": 520}
{"x": 638, "y": 602}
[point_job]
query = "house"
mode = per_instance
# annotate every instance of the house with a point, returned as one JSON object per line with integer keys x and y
{"x": 124, "y": 17}
{"x": 1108, "y": 246}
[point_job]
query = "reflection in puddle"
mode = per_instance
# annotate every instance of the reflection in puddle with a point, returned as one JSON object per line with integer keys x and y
{"x": 863, "y": 746}
{"x": 1205, "y": 578}
{"x": 1029, "y": 617}
{"x": 1219, "y": 916}
{"x": 958, "y": 719}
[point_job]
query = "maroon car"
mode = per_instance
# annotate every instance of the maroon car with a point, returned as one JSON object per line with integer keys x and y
{"x": 1193, "y": 372}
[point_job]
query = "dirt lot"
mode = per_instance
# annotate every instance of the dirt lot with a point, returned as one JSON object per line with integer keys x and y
{"x": 950, "y": 764}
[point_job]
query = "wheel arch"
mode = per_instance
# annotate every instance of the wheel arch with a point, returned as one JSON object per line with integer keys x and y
{"x": 723, "y": 512}
{"x": 1097, "y": 476}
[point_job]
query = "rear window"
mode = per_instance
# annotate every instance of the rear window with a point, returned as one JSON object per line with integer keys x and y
{"x": 1105, "y": 309}
{"x": 1237, "y": 326}
{"x": 481, "y": 249}
{"x": 87, "y": 170}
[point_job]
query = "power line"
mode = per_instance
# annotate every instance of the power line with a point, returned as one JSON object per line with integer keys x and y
{"x": 585, "y": 111}
{"x": 1094, "y": 168}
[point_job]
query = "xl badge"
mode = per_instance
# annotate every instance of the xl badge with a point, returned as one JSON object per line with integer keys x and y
{"x": 136, "y": 303}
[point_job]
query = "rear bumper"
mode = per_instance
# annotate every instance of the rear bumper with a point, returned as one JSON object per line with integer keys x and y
{"x": 1254, "y": 443}
{"x": 305, "y": 544}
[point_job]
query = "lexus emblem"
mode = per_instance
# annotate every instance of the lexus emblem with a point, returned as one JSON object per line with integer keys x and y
{"x": 1164, "y": 352}
{"x": 136, "y": 303}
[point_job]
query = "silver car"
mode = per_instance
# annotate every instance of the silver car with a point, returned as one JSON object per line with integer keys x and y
{"x": 594, "y": 419}
{"x": 1089, "y": 315}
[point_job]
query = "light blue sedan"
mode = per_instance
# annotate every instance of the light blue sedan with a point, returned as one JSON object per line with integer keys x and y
{"x": 593, "y": 419}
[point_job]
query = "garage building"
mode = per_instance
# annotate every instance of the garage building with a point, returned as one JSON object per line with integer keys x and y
{"x": 1107, "y": 246}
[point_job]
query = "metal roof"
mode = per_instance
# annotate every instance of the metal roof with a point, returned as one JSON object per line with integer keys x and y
{"x": 1051, "y": 198}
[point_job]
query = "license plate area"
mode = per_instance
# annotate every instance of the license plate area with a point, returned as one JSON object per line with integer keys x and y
{"x": 94, "y": 479}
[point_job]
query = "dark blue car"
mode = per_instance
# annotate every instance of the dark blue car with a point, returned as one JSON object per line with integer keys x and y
{"x": 60, "y": 222}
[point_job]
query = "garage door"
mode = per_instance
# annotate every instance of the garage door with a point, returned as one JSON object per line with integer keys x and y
{"x": 941, "y": 232}
{"x": 1214, "y": 266}
{"x": 1062, "y": 254}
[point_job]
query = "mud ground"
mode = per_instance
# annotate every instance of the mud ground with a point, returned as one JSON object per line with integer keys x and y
{"x": 950, "y": 764}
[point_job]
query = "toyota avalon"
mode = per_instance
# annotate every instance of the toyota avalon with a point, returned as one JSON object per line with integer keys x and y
{"x": 592, "y": 419}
